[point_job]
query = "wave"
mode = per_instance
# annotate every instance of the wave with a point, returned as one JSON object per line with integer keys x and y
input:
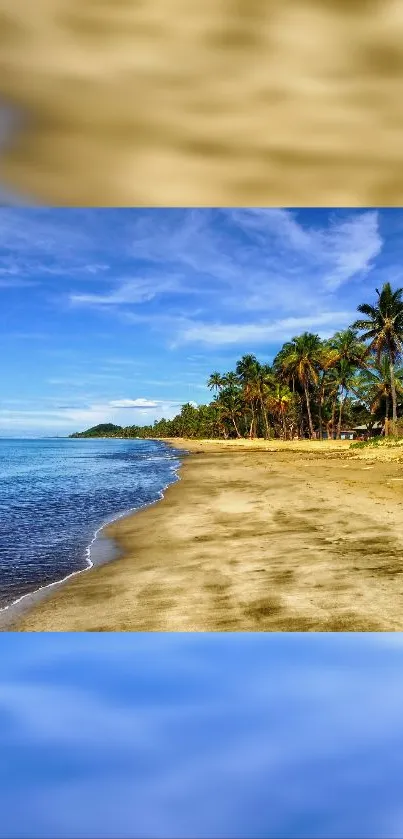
{"x": 31, "y": 596}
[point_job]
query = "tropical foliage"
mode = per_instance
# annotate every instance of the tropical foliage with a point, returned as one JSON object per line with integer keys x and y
{"x": 313, "y": 387}
{"x": 383, "y": 329}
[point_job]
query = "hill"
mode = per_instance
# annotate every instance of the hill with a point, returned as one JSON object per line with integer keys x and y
{"x": 103, "y": 430}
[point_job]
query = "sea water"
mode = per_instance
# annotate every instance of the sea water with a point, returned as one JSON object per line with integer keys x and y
{"x": 56, "y": 494}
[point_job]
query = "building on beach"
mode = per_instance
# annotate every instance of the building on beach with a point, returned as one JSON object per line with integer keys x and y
{"x": 358, "y": 432}
{"x": 375, "y": 430}
{"x": 345, "y": 434}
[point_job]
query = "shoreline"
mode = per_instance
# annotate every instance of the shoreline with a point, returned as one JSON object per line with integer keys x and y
{"x": 252, "y": 536}
{"x": 15, "y": 611}
{"x": 23, "y": 605}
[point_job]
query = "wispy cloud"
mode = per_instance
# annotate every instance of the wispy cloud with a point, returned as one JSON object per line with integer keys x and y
{"x": 128, "y": 292}
{"x": 72, "y": 415}
{"x": 263, "y": 261}
{"x": 39, "y": 243}
{"x": 268, "y": 332}
{"x": 133, "y": 403}
{"x": 352, "y": 246}
{"x": 346, "y": 248}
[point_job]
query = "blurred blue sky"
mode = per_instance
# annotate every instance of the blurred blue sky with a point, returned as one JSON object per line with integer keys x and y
{"x": 120, "y": 315}
{"x": 199, "y": 735}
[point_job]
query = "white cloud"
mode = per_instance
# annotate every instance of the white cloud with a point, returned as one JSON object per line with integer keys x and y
{"x": 136, "y": 291}
{"x": 44, "y": 243}
{"x": 260, "y": 260}
{"x": 340, "y": 252}
{"x": 267, "y": 332}
{"x": 276, "y": 222}
{"x": 351, "y": 246}
{"x": 133, "y": 403}
{"x": 65, "y": 419}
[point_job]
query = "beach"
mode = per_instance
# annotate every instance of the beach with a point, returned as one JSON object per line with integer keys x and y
{"x": 254, "y": 536}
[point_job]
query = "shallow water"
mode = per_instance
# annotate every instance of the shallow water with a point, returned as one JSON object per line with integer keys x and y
{"x": 56, "y": 493}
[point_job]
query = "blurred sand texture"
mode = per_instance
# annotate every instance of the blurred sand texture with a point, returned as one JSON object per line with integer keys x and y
{"x": 215, "y": 103}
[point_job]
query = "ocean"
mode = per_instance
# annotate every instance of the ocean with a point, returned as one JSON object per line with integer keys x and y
{"x": 55, "y": 496}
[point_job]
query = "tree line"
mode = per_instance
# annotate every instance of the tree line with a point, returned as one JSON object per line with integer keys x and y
{"x": 312, "y": 388}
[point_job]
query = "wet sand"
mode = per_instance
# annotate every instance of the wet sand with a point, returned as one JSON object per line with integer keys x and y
{"x": 259, "y": 537}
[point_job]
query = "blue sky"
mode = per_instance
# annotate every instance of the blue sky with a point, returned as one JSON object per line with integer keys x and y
{"x": 203, "y": 736}
{"x": 120, "y": 315}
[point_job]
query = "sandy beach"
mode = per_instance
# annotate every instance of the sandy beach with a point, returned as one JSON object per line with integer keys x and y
{"x": 254, "y": 537}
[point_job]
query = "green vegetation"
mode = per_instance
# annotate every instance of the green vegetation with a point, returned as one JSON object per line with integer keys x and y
{"x": 383, "y": 328}
{"x": 313, "y": 388}
{"x": 106, "y": 429}
{"x": 379, "y": 442}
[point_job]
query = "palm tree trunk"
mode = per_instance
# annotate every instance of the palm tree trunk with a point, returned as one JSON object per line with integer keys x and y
{"x": 245, "y": 418}
{"x": 393, "y": 389}
{"x": 333, "y": 415}
{"x": 238, "y": 434}
{"x": 252, "y": 421}
{"x": 320, "y": 418}
{"x": 308, "y": 408}
{"x": 266, "y": 421}
{"x": 385, "y": 427}
{"x": 284, "y": 425}
{"x": 342, "y": 399}
{"x": 255, "y": 419}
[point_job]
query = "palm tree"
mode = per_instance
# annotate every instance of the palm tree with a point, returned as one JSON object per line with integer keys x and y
{"x": 326, "y": 379}
{"x": 383, "y": 328}
{"x": 345, "y": 376}
{"x": 230, "y": 379}
{"x": 265, "y": 382}
{"x": 247, "y": 370}
{"x": 278, "y": 403}
{"x": 347, "y": 353}
{"x": 229, "y": 399}
{"x": 323, "y": 388}
{"x": 346, "y": 345}
{"x": 375, "y": 387}
{"x": 301, "y": 359}
{"x": 215, "y": 382}
{"x": 332, "y": 393}
{"x": 229, "y": 412}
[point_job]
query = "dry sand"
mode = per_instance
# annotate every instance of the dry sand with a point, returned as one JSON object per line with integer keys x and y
{"x": 215, "y": 103}
{"x": 272, "y": 537}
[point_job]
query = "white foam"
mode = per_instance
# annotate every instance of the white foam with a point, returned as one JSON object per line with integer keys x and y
{"x": 32, "y": 595}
